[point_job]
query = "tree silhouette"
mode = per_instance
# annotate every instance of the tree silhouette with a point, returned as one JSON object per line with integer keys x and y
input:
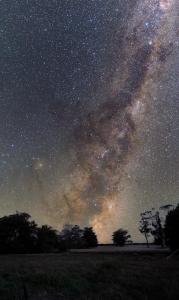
{"x": 72, "y": 236}
{"x": 172, "y": 228}
{"x": 157, "y": 230}
{"x": 120, "y": 237}
{"x": 145, "y": 225}
{"x": 47, "y": 239}
{"x": 17, "y": 234}
{"x": 152, "y": 223}
{"x": 90, "y": 237}
{"x": 75, "y": 237}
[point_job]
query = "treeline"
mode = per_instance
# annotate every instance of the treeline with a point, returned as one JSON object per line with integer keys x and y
{"x": 19, "y": 234}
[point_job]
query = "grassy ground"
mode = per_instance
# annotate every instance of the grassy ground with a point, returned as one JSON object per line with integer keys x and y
{"x": 89, "y": 276}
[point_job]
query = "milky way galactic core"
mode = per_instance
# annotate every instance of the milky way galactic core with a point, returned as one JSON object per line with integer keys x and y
{"x": 89, "y": 129}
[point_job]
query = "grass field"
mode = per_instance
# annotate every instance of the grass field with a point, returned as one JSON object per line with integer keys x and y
{"x": 89, "y": 276}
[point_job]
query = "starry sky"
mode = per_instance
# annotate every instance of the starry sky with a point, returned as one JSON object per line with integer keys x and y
{"x": 89, "y": 127}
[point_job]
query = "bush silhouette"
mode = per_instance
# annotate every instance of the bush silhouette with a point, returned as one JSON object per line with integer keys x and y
{"x": 120, "y": 237}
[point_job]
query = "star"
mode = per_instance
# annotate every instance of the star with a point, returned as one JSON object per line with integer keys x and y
{"x": 89, "y": 111}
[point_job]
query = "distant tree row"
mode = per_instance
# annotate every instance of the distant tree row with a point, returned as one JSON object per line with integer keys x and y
{"x": 76, "y": 238}
{"x": 19, "y": 234}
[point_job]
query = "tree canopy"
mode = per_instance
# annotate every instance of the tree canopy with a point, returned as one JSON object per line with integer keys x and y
{"x": 120, "y": 237}
{"x": 19, "y": 234}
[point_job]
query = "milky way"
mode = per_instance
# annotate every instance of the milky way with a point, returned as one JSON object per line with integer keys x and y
{"x": 89, "y": 118}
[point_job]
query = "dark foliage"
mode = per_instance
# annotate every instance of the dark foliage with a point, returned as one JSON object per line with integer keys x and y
{"x": 75, "y": 238}
{"x": 152, "y": 224}
{"x": 47, "y": 239}
{"x": 72, "y": 237}
{"x": 17, "y": 234}
{"x": 157, "y": 230}
{"x": 120, "y": 237}
{"x": 90, "y": 237}
{"x": 172, "y": 228}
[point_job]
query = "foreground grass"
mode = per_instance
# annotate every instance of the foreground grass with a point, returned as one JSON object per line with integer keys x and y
{"x": 89, "y": 276}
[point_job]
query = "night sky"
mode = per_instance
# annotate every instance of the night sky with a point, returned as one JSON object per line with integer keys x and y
{"x": 89, "y": 126}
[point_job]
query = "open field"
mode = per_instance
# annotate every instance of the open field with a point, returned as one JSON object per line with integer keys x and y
{"x": 89, "y": 276}
{"x": 139, "y": 248}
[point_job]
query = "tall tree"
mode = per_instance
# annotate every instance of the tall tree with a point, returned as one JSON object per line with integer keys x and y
{"x": 90, "y": 237}
{"x": 172, "y": 228}
{"x": 152, "y": 223}
{"x": 157, "y": 230}
{"x": 145, "y": 225}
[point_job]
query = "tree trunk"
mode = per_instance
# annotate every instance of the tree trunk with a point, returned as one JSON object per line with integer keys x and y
{"x": 147, "y": 240}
